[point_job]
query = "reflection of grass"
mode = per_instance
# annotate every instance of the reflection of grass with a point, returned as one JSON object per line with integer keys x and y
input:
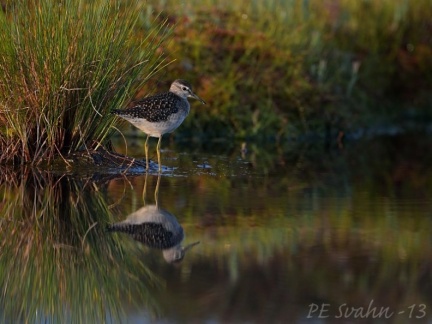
{"x": 324, "y": 226}
{"x": 310, "y": 196}
{"x": 337, "y": 199}
{"x": 262, "y": 247}
{"x": 63, "y": 67}
{"x": 57, "y": 263}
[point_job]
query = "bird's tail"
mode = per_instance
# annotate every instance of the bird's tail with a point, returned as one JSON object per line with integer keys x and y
{"x": 125, "y": 228}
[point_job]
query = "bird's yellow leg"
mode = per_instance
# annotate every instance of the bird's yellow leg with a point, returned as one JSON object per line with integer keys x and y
{"x": 146, "y": 152}
{"x": 144, "y": 189}
{"x": 156, "y": 193}
{"x": 158, "y": 152}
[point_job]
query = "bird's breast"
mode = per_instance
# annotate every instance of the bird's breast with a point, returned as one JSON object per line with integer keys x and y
{"x": 158, "y": 128}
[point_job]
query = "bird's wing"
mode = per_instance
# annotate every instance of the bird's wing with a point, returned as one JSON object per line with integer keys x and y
{"x": 151, "y": 234}
{"x": 153, "y": 109}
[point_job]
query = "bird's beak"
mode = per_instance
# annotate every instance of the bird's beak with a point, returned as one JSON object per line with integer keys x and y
{"x": 189, "y": 246}
{"x": 193, "y": 95}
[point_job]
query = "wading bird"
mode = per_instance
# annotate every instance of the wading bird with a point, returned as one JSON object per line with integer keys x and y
{"x": 160, "y": 114}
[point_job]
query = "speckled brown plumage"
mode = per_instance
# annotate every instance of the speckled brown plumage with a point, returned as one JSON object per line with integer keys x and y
{"x": 153, "y": 235}
{"x": 154, "y": 109}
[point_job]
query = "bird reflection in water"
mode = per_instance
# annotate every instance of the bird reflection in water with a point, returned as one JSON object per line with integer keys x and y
{"x": 155, "y": 228}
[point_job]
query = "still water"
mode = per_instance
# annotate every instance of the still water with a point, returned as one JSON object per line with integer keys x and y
{"x": 304, "y": 233}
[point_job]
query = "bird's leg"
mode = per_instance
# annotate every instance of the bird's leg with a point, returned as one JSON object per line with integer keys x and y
{"x": 146, "y": 152}
{"x": 156, "y": 193}
{"x": 144, "y": 189}
{"x": 158, "y": 152}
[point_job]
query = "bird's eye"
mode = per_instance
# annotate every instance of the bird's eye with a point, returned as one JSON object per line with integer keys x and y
{"x": 185, "y": 89}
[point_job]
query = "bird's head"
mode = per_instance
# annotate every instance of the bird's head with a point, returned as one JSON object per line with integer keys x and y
{"x": 183, "y": 89}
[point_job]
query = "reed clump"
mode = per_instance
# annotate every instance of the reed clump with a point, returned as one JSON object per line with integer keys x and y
{"x": 63, "y": 67}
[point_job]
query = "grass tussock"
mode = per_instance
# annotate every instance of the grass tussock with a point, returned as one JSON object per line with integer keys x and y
{"x": 64, "y": 67}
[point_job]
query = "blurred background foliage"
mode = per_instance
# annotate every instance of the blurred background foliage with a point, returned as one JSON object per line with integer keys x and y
{"x": 277, "y": 69}
{"x": 270, "y": 70}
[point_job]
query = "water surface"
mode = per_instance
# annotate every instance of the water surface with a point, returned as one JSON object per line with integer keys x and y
{"x": 284, "y": 234}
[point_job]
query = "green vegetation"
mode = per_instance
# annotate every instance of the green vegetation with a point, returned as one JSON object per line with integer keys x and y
{"x": 63, "y": 67}
{"x": 268, "y": 69}
{"x": 288, "y": 68}
{"x": 57, "y": 263}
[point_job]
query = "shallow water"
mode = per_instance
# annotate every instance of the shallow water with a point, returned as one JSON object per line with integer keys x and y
{"x": 304, "y": 233}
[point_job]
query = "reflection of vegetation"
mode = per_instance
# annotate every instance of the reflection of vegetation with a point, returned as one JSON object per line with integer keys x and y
{"x": 314, "y": 225}
{"x": 339, "y": 226}
{"x": 63, "y": 68}
{"x": 57, "y": 264}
